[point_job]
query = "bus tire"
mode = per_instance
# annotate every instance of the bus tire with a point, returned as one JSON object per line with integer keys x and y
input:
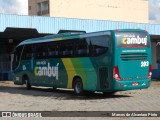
{"x": 78, "y": 87}
{"x": 27, "y": 83}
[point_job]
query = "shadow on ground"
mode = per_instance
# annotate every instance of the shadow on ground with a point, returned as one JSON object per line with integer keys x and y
{"x": 55, "y": 94}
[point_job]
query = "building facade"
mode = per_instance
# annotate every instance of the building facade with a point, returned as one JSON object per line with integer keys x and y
{"x": 115, "y": 10}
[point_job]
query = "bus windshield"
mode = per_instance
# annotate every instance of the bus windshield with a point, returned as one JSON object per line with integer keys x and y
{"x": 132, "y": 40}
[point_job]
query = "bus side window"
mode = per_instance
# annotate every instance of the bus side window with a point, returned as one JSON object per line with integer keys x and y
{"x": 98, "y": 45}
{"x": 67, "y": 49}
{"x": 53, "y": 50}
{"x": 100, "y": 50}
{"x": 27, "y": 52}
{"x": 41, "y": 51}
{"x": 82, "y": 48}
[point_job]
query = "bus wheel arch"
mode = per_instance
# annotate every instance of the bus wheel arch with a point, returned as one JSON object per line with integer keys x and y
{"x": 26, "y": 81}
{"x": 77, "y": 85}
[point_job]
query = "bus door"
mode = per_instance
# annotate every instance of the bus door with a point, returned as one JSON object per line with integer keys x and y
{"x": 133, "y": 56}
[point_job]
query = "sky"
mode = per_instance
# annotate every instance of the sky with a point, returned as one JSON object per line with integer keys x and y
{"x": 14, "y": 7}
{"x": 21, "y": 7}
{"x": 154, "y": 11}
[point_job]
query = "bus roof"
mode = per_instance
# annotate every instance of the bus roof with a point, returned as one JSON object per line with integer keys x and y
{"x": 69, "y": 35}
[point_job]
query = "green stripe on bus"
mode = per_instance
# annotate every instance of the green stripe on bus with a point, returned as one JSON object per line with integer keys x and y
{"x": 80, "y": 71}
{"x": 91, "y": 77}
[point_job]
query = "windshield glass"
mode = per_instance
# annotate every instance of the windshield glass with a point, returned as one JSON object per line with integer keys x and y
{"x": 16, "y": 57}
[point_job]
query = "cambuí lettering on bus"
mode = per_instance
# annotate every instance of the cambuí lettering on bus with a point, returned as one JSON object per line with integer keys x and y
{"x": 135, "y": 40}
{"x": 48, "y": 70}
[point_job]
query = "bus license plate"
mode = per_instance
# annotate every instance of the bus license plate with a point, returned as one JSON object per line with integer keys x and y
{"x": 135, "y": 84}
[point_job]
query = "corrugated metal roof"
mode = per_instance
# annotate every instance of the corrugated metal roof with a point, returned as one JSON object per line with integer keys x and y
{"x": 53, "y": 25}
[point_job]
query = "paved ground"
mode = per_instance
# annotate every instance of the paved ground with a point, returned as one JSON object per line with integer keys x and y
{"x": 17, "y": 98}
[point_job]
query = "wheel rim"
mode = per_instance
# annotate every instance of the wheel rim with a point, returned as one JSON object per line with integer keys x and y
{"x": 78, "y": 87}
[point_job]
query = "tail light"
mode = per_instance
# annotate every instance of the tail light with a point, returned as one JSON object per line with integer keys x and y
{"x": 116, "y": 73}
{"x": 150, "y": 71}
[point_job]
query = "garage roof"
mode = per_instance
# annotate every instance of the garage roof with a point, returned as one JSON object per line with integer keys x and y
{"x": 53, "y": 25}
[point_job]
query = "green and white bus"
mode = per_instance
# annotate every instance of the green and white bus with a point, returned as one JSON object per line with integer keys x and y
{"x": 106, "y": 61}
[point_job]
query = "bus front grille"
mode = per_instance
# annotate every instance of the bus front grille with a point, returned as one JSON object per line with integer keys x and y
{"x": 103, "y": 75}
{"x": 135, "y": 56}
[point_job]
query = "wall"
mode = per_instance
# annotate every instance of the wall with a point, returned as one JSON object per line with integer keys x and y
{"x": 53, "y": 25}
{"x": 116, "y": 10}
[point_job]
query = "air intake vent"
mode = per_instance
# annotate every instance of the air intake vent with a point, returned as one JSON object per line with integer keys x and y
{"x": 135, "y": 56}
{"x": 103, "y": 75}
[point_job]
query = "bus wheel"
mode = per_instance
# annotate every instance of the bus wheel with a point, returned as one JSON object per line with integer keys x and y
{"x": 78, "y": 87}
{"x": 27, "y": 83}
